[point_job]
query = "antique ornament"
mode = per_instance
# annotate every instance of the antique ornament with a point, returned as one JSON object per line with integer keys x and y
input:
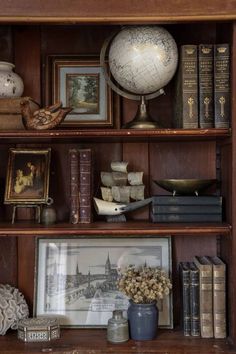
{"x": 13, "y": 308}
{"x": 48, "y": 215}
{"x": 119, "y": 188}
{"x": 11, "y": 84}
{"x": 44, "y": 118}
{"x": 40, "y": 329}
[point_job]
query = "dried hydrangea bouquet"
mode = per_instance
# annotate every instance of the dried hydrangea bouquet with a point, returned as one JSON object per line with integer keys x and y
{"x": 144, "y": 286}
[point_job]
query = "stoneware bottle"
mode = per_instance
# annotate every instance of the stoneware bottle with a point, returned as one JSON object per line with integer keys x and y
{"x": 48, "y": 215}
{"x": 117, "y": 328}
{"x": 11, "y": 84}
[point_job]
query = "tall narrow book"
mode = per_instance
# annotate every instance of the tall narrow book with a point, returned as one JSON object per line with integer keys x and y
{"x": 194, "y": 299}
{"x": 185, "y": 281}
{"x": 222, "y": 85}
{"x": 74, "y": 186}
{"x": 186, "y": 99}
{"x": 205, "y": 291}
{"x": 219, "y": 292}
{"x": 85, "y": 185}
{"x": 205, "y": 82}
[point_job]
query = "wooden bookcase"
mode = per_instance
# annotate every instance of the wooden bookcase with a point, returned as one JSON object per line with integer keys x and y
{"x": 31, "y": 30}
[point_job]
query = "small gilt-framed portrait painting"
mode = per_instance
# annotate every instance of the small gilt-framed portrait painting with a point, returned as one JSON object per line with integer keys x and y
{"x": 27, "y": 180}
{"x": 79, "y": 82}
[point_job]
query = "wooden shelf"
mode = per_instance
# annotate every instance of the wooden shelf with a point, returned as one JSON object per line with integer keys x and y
{"x": 85, "y": 341}
{"x": 115, "y": 134}
{"x": 130, "y": 228}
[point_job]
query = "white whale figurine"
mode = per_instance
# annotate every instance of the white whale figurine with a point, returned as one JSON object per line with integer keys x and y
{"x": 103, "y": 207}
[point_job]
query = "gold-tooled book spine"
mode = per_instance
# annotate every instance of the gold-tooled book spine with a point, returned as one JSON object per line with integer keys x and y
{"x": 85, "y": 186}
{"x": 219, "y": 293}
{"x": 206, "y": 303}
{"x": 74, "y": 186}
{"x": 222, "y": 85}
{"x": 186, "y": 101}
{"x": 205, "y": 75}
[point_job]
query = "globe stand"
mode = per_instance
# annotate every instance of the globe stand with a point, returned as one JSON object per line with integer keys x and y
{"x": 142, "y": 119}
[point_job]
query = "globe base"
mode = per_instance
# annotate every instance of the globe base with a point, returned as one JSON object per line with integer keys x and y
{"x": 142, "y": 120}
{"x": 137, "y": 124}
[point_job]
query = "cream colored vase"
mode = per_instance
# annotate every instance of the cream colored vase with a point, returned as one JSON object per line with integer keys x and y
{"x": 11, "y": 84}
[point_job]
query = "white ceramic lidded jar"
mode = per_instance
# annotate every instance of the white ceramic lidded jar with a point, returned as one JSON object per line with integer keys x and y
{"x": 11, "y": 84}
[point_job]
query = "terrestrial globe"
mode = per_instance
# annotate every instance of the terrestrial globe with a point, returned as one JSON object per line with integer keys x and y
{"x": 142, "y": 60}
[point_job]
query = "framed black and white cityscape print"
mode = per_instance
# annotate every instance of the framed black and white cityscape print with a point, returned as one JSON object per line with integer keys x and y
{"x": 76, "y": 277}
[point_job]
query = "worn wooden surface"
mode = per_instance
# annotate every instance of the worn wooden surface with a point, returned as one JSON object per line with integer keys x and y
{"x": 93, "y": 341}
{"x": 116, "y": 11}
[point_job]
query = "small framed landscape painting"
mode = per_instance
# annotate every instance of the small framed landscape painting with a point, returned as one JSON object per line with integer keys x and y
{"x": 79, "y": 82}
{"x": 27, "y": 178}
{"x": 76, "y": 277}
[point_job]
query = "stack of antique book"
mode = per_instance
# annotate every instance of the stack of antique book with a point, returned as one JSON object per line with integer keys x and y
{"x": 81, "y": 185}
{"x": 203, "y": 295}
{"x": 186, "y": 208}
{"x": 202, "y": 97}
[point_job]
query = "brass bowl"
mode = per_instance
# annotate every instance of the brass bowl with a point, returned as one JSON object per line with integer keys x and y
{"x": 185, "y": 186}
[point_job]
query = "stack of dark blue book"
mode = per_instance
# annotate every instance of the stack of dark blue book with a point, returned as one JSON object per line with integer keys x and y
{"x": 186, "y": 208}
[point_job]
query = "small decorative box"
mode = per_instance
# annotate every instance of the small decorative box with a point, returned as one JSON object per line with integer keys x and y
{"x": 38, "y": 329}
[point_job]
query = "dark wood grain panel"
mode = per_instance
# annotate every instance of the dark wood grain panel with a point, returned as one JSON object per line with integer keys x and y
{"x": 26, "y": 266}
{"x": 103, "y": 11}
{"x": 8, "y": 260}
{"x": 27, "y": 59}
{"x": 6, "y": 44}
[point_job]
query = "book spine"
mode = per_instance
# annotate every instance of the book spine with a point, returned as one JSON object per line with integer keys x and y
{"x": 221, "y": 85}
{"x": 85, "y": 184}
{"x": 186, "y": 217}
{"x": 189, "y": 77}
{"x": 185, "y": 280}
{"x": 74, "y": 186}
{"x": 186, "y": 209}
{"x": 194, "y": 301}
{"x": 206, "y": 303}
{"x": 205, "y": 75}
{"x": 219, "y": 306}
{"x": 186, "y": 200}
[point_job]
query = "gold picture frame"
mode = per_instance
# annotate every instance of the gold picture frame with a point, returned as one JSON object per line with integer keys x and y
{"x": 27, "y": 180}
{"x": 79, "y": 82}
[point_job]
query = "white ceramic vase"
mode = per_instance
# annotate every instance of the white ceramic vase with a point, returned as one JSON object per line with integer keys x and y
{"x": 11, "y": 84}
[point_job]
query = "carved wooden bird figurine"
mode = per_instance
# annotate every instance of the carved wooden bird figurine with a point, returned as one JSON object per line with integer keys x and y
{"x": 44, "y": 118}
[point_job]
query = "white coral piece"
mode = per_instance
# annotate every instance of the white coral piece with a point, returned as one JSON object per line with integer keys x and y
{"x": 13, "y": 307}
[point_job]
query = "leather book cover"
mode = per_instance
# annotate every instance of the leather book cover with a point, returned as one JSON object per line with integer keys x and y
{"x": 194, "y": 300}
{"x": 74, "y": 186}
{"x": 206, "y": 303}
{"x": 186, "y": 97}
{"x": 186, "y": 217}
{"x": 10, "y": 112}
{"x": 85, "y": 185}
{"x": 219, "y": 295}
{"x": 222, "y": 85}
{"x": 186, "y": 209}
{"x": 185, "y": 281}
{"x": 205, "y": 82}
{"x": 186, "y": 200}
